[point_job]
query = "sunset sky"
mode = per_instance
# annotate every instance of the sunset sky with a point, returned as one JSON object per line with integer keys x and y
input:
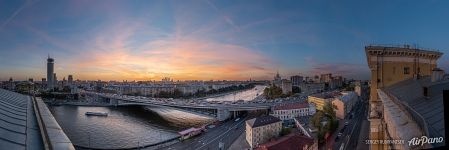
{"x": 209, "y": 39}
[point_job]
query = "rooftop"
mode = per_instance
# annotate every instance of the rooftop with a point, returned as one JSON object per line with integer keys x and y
{"x": 262, "y": 121}
{"x": 18, "y": 124}
{"x": 292, "y": 141}
{"x": 326, "y": 95}
{"x": 430, "y": 107}
{"x": 402, "y": 48}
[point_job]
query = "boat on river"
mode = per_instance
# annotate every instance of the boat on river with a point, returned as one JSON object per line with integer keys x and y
{"x": 89, "y": 113}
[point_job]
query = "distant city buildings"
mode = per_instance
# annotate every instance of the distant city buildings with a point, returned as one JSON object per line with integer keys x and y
{"x": 259, "y": 130}
{"x": 297, "y": 80}
{"x": 286, "y": 86}
{"x": 70, "y": 80}
{"x": 152, "y": 88}
{"x": 277, "y": 81}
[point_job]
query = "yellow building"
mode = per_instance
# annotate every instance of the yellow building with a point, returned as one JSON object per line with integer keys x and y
{"x": 321, "y": 98}
{"x": 261, "y": 129}
{"x": 390, "y": 65}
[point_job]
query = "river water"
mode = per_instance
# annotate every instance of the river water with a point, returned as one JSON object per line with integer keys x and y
{"x": 131, "y": 126}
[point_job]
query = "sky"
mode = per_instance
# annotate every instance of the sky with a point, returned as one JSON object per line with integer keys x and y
{"x": 210, "y": 39}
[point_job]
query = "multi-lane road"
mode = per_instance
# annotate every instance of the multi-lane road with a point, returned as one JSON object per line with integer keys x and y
{"x": 225, "y": 133}
{"x": 350, "y": 135}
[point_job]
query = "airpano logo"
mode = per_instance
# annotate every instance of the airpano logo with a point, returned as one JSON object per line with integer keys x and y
{"x": 423, "y": 140}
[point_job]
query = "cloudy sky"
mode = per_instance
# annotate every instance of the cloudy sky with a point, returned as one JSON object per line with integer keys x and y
{"x": 210, "y": 39}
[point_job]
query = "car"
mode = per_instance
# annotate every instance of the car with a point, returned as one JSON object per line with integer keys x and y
{"x": 237, "y": 119}
{"x": 346, "y": 123}
{"x": 339, "y": 134}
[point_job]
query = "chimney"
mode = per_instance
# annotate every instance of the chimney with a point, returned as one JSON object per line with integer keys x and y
{"x": 437, "y": 74}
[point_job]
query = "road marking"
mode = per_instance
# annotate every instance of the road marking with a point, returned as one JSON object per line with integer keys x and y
{"x": 221, "y": 134}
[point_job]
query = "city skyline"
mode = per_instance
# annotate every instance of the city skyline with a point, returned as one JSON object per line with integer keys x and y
{"x": 209, "y": 40}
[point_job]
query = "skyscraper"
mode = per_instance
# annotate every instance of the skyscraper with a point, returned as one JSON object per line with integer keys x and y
{"x": 70, "y": 80}
{"x": 50, "y": 72}
{"x": 55, "y": 80}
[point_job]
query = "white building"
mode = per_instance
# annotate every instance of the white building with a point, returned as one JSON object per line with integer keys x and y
{"x": 288, "y": 111}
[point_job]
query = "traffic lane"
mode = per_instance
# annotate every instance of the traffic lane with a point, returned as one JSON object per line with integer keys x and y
{"x": 352, "y": 124}
{"x": 355, "y": 140}
{"x": 354, "y": 134}
{"x": 207, "y": 138}
{"x": 227, "y": 139}
{"x": 214, "y": 142}
{"x": 194, "y": 142}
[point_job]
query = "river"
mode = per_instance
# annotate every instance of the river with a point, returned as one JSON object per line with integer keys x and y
{"x": 131, "y": 126}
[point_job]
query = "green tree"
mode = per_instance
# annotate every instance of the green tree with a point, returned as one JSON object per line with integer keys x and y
{"x": 316, "y": 119}
{"x": 328, "y": 109}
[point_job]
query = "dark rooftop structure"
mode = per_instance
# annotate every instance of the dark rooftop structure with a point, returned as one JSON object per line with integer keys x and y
{"x": 18, "y": 125}
{"x": 426, "y": 98}
{"x": 26, "y": 123}
{"x": 261, "y": 121}
{"x": 292, "y": 141}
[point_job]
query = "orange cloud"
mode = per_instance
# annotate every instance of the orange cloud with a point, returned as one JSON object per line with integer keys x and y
{"x": 179, "y": 59}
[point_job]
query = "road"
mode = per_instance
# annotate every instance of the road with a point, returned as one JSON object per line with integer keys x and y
{"x": 350, "y": 135}
{"x": 209, "y": 140}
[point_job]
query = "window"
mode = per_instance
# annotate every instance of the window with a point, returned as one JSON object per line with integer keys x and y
{"x": 425, "y": 93}
{"x": 406, "y": 70}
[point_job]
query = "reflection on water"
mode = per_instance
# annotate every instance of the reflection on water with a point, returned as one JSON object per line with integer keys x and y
{"x": 246, "y": 95}
{"x": 124, "y": 127}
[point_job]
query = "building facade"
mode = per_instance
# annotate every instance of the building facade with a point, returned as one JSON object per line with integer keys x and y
{"x": 296, "y": 80}
{"x": 322, "y": 98}
{"x": 261, "y": 129}
{"x": 343, "y": 104}
{"x": 390, "y": 65}
{"x": 287, "y": 112}
{"x": 286, "y": 86}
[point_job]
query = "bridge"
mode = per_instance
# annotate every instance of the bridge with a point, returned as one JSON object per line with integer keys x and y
{"x": 220, "y": 111}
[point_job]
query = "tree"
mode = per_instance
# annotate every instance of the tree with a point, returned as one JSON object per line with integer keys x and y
{"x": 272, "y": 92}
{"x": 316, "y": 119}
{"x": 285, "y": 131}
{"x": 328, "y": 109}
{"x": 296, "y": 89}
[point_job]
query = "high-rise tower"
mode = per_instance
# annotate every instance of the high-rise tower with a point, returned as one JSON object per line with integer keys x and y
{"x": 50, "y": 71}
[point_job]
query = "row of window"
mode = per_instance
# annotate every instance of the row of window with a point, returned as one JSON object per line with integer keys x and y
{"x": 406, "y": 70}
{"x": 282, "y": 112}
